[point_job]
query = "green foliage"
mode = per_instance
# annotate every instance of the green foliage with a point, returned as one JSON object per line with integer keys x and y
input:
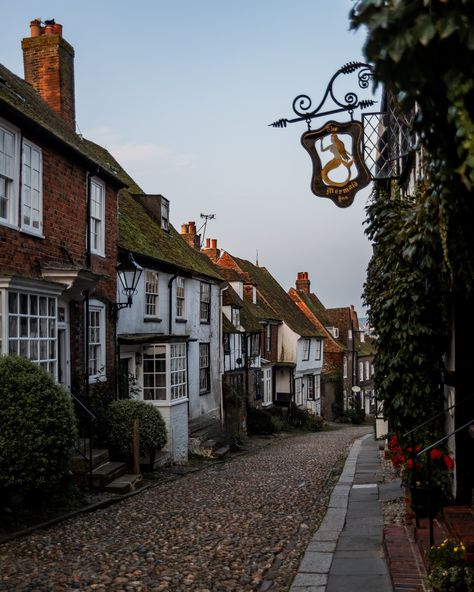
{"x": 304, "y": 419}
{"x": 425, "y": 244}
{"x": 152, "y": 427}
{"x": 354, "y": 414}
{"x": 447, "y": 568}
{"x": 37, "y": 428}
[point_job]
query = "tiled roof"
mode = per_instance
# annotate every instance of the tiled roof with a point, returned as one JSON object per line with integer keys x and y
{"x": 307, "y": 306}
{"x": 270, "y": 293}
{"x": 19, "y": 98}
{"x": 227, "y": 326}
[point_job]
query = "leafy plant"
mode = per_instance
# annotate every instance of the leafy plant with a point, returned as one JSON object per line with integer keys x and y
{"x": 152, "y": 428}
{"x": 448, "y": 571}
{"x": 37, "y": 428}
{"x": 259, "y": 421}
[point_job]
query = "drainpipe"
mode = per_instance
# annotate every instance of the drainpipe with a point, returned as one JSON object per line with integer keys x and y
{"x": 220, "y": 358}
{"x": 170, "y": 301}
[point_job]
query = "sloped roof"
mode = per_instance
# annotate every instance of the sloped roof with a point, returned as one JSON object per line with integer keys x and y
{"x": 367, "y": 347}
{"x": 142, "y": 234}
{"x": 270, "y": 292}
{"x": 307, "y": 306}
{"x": 22, "y": 100}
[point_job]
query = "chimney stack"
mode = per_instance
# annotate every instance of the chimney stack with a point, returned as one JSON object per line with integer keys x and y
{"x": 49, "y": 67}
{"x": 302, "y": 282}
{"x": 211, "y": 250}
{"x": 188, "y": 232}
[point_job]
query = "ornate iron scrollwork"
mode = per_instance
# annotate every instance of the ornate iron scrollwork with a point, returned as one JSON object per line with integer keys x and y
{"x": 302, "y": 104}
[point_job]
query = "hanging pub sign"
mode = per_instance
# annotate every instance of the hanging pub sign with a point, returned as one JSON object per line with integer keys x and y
{"x": 339, "y": 171}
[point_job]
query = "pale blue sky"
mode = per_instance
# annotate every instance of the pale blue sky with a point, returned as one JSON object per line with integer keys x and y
{"x": 181, "y": 93}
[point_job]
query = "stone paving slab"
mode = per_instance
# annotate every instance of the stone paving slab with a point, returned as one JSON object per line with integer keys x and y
{"x": 359, "y": 583}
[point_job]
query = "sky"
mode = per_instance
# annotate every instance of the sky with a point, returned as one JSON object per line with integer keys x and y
{"x": 181, "y": 92}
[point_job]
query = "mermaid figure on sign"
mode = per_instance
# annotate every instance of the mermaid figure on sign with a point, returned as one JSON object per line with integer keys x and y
{"x": 340, "y": 158}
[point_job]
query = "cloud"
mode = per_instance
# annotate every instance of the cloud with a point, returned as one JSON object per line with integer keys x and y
{"x": 136, "y": 156}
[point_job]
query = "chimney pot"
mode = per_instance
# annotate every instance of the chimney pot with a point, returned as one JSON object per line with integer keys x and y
{"x": 214, "y": 243}
{"x": 208, "y": 243}
{"x": 35, "y": 28}
{"x": 58, "y": 29}
{"x": 184, "y": 229}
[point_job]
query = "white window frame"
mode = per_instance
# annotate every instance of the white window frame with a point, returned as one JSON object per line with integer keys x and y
{"x": 205, "y": 302}
{"x": 367, "y": 370}
{"x": 180, "y": 297}
{"x": 267, "y": 386}
{"x": 97, "y": 217}
{"x": 268, "y": 337}
{"x": 317, "y": 386}
{"x": 361, "y": 370}
{"x": 12, "y": 177}
{"x": 298, "y": 392}
{"x": 309, "y": 382}
{"x": 171, "y": 361}
{"x": 31, "y": 327}
{"x": 165, "y": 214}
{"x": 344, "y": 367}
{"x": 306, "y": 349}
{"x": 97, "y": 349}
{"x": 34, "y": 205}
{"x": 319, "y": 348}
{"x": 152, "y": 298}
{"x": 204, "y": 368}
{"x": 235, "y": 314}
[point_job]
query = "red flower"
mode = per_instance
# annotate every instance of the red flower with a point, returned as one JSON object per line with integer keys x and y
{"x": 409, "y": 449}
{"x": 436, "y": 453}
{"x": 410, "y": 463}
{"x": 448, "y": 461}
{"x": 418, "y": 447}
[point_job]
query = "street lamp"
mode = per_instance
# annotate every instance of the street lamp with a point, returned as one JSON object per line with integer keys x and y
{"x": 129, "y": 273}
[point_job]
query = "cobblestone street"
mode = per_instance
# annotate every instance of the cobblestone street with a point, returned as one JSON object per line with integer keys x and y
{"x": 237, "y": 526}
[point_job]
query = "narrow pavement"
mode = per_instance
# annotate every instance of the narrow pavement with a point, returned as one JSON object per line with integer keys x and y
{"x": 346, "y": 554}
{"x": 238, "y": 526}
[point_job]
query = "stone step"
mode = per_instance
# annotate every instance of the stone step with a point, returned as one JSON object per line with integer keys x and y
{"x": 124, "y": 484}
{"x": 106, "y": 473}
{"x": 80, "y": 465}
{"x": 460, "y": 523}
{"x": 220, "y": 452}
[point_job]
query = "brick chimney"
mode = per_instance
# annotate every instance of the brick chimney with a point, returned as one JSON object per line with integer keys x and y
{"x": 49, "y": 67}
{"x": 302, "y": 282}
{"x": 211, "y": 249}
{"x": 188, "y": 232}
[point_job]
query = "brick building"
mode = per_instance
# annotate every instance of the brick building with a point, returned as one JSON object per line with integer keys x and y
{"x": 58, "y": 222}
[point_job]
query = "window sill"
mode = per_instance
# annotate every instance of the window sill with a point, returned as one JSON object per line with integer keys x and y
{"x": 204, "y": 322}
{"x": 152, "y": 320}
{"x": 180, "y": 320}
{"x": 97, "y": 379}
{"x": 32, "y": 233}
{"x": 204, "y": 393}
{"x": 98, "y": 254}
{"x": 167, "y": 402}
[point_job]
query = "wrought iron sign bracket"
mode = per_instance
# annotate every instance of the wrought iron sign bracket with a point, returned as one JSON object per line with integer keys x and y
{"x": 302, "y": 104}
{"x": 335, "y": 149}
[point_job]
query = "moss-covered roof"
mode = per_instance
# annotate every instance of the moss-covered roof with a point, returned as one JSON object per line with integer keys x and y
{"x": 273, "y": 295}
{"x": 367, "y": 347}
{"x": 142, "y": 234}
{"x": 227, "y": 326}
{"x": 20, "y": 99}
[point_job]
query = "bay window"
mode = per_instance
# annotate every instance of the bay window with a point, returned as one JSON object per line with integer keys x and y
{"x": 165, "y": 373}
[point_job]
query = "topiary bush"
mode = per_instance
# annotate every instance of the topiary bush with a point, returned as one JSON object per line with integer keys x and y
{"x": 152, "y": 428}
{"x": 37, "y": 429}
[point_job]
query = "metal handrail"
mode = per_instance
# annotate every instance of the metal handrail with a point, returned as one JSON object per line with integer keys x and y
{"x": 424, "y": 451}
{"x": 90, "y": 419}
{"x": 443, "y": 412}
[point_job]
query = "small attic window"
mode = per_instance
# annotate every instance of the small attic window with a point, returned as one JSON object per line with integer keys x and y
{"x": 334, "y": 331}
{"x": 165, "y": 214}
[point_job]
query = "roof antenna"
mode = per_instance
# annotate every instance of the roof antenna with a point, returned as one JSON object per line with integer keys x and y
{"x": 256, "y": 262}
{"x": 206, "y": 218}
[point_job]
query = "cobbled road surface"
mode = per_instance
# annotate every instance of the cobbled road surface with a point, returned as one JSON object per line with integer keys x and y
{"x": 236, "y": 526}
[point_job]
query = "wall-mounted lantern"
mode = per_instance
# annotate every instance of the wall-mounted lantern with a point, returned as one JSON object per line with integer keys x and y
{"x": 129, "y": 273}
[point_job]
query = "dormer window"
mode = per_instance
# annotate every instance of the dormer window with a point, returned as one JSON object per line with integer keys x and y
{"x": 165, "y": 214}
{"x": 334, "y": 331}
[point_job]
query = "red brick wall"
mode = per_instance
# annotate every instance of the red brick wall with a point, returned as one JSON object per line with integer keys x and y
{"x": 49, "y": 67}
{"x": 65, "y": 232}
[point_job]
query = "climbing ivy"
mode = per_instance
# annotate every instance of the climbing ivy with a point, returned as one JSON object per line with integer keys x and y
{"x": 423, "y": 53}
